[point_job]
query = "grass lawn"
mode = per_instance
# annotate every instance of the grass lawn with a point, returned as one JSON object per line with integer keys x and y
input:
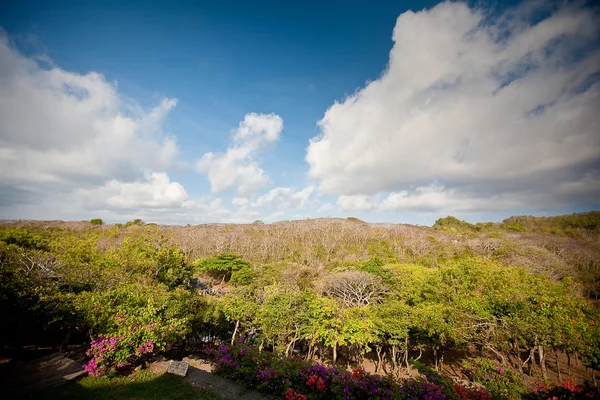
{"x": 143, "y": 385}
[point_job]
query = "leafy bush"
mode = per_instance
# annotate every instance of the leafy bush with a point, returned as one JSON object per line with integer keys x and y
{"x": 501, "y": 380}
{"x": 354, "y": 219}
{"x": 300, "y": 380}
{"x": 454, "y": 225}
{"x": 96, "y": 221}
{"x": 258, "y": 222}
{"x": 23, "y": 238}
{"x": 223, "y": 267}
{"x": 131, "y": 321}
{"x": 135, "y": 222}
{"x": 568, "y": 391}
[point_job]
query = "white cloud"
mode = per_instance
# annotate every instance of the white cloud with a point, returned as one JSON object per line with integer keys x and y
{"x": 237, "y": 167}
{"x": 71, "y": 144}
{"x": 325, "y": 207}
{"x": 284, "y": 198}
{"x": 355, "y": 203}
{"x": 240, "y": 201}
{"x": 155, "y": 191}
{"x": 72, "y": 129}
{"x": 274, "y": 216}
{"x": 437, "y": 198}
{"x": 489, "y": 111}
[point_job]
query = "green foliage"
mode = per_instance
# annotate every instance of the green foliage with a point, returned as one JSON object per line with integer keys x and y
{"x": 568, "y": 225}
{"x": 372, "y": 266}
{"x": 258, "y": 222}
{"x": 242, "y": 276}
{"x": 500, "y": 380}
{"x": 135, "y": 222}
{"x": 354, "y": 219}
{"x": 23, "y": 238}
{"x": 113, "y": 282}
{"x": 96, "y": 221}
{"x": 142, "y": 304}
{"x": 454, "y": 225}
{"x": 31, "y": 303}
{"x": 225, "y": 266}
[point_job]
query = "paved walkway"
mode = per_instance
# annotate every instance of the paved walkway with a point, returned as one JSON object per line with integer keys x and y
{"x": 24, "y": 378}
{"x": 199, "y": 374}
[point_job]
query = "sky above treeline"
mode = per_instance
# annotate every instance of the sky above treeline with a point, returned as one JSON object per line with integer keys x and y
{"x": 183, "y": 112}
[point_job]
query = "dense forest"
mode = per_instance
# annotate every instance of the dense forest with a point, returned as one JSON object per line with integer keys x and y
{"x": 508, "y": 306}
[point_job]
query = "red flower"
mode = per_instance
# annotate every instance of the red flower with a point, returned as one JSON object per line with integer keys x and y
{"x": 293, "y": 394}
{"x": 320, "y": 385}
{"x": 315, "y": 381}
{"x": 571, "y": 386}
{"x": 358, "y": 373}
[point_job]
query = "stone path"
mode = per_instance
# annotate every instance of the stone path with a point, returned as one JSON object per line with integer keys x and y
{"x": 24, "y": 378}
{"x": 199, "y": 374}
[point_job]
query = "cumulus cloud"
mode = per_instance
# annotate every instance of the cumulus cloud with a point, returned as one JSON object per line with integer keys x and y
{"x": 274, "y": 216}
{"x": 67, "y": 128}
{"x": 327, "y": 206}
{"x": 284, "y": 198}
{"x": 155, "y": 191}
{"x": 71, "y": 143}
{"x": 237, "y": 167}
{"x": 493, "y": 111}
{"x": 355, "y": 203}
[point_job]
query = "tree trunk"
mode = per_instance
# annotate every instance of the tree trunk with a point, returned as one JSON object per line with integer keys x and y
{"x": 531, "y": 360}
{"x": 435, "y": 358}
{"x": 394, "y": 359}
{"x": 314, "y": 353}
{"x": 557, "y": 365}
{"x": 237, "y": 325}
{"x": 420, "y": 353}
{"x": 406, "y": 354}
{"x": 542, "y": 358}
{"x": 569, "y": 364}
{"x": 379, "y": 360}
{"x": 288, "y": 348}
{"x": 334, "y": 353}
{"x": 260, "y": 346}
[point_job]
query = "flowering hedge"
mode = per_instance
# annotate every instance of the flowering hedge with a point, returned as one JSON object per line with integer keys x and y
{"x": 300, "y": 380}
{"x": 503, "y": 380}
{"x": 568, "y": 391}
{"x": 129, "y": 344}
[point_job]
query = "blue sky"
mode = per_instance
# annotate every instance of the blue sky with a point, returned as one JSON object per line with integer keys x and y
{"x": 389, "y": 111}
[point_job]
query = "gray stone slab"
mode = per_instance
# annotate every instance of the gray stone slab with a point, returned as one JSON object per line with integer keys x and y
{"x": 178, "y": 368}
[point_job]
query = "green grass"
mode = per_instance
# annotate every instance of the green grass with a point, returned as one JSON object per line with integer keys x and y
{"x": 143, "y": 385}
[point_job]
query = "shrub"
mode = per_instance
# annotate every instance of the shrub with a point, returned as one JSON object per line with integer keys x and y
{"x": 568, "y": 391}
{"x": 355, "y": 288}
{"x": 224, "y": 266}
{"x": 133, "y": 320}
{"x": 24, "y": 239}
{"x": 127, "y": 347}
{"x": 301, "y": 380}
{"x": 258, "y": 222}
{"x": 501, "y": 380}
{"x": 354, "y": 219}
{"x": 136, "y": 221}
{"x": 96, "y": 221}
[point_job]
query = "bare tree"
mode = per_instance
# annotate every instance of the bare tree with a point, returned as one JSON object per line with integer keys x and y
{"x": 354, "y": 288}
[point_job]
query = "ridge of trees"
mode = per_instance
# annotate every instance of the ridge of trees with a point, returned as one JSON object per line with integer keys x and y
{"x": 320, "y": 289}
